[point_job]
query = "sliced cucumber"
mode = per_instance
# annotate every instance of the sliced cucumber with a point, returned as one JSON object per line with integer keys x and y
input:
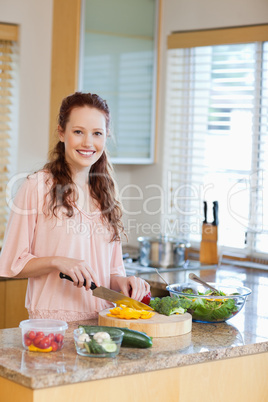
{"x": 87, "y": 346}
{"x": 96, "y": 348}
{"x": 109, "y": 347}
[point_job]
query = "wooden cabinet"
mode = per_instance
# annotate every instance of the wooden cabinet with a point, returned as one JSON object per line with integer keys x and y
{"x": 12, "y": 302}
{"x": 2, "y": 304}
{"x": 238, "y": 379}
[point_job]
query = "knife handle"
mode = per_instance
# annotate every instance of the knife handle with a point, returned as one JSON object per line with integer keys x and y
{"x": 205, "y": 211}
{"x": 215, "y": 213}
{"x": 64, "y": 276}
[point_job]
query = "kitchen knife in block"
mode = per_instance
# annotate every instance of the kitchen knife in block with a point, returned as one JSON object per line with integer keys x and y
{"x": 111, "y": 295}
{"x": 208, "y": 247}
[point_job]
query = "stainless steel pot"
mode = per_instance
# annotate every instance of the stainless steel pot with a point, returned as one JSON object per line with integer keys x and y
{"x": 163, "y": 251}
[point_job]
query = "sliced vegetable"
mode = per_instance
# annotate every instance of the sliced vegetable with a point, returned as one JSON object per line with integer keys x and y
{"x": 97, "y": 343}
{"x": 147, "y": 298}
{"x": 109, "y": 347}
{"x": 95, "y": 347}
{"x": 87, "y": 346}
{"x": 33, "y": 348}
{"x": 128, "y": 313}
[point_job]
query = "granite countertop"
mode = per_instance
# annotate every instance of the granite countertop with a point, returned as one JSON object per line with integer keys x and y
{"x": 244, "y": 334}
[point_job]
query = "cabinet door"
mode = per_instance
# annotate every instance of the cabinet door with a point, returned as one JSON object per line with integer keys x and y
{"x": 15, "y": 310}
{"x": 2, "y": 303}
{"x": 118, "y": 62}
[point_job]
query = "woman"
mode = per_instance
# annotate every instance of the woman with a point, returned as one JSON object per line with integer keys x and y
{"x": 66, "y": 218}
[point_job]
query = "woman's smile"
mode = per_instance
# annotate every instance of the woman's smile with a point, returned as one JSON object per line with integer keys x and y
{"x": 84, "y": 153}
{"x": 84, "y": 137}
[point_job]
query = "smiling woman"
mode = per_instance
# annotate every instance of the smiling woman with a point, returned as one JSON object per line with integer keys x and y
{"x": 51, "y": 199}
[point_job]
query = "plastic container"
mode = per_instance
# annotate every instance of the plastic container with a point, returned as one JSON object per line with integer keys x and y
{"x": 43, "y": 335}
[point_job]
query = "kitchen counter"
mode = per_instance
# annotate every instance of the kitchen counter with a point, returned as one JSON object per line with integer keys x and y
{"x": 238, "y": 344}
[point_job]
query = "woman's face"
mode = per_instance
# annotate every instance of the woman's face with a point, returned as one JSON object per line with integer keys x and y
{"x": 84, "y": 137}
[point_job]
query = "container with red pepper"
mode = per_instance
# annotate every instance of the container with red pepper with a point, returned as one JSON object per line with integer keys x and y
{"x": 42, "y": 335}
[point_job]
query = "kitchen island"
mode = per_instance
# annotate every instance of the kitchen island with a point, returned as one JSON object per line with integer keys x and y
{"x": 218, "y": 361}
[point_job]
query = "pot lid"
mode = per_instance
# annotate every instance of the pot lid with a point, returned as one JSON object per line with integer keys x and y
{"x": 164, "y": 239}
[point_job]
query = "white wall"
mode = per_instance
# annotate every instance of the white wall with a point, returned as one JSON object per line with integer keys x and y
{"x": 202, "y": 14}
{"x": 35, "y": 20}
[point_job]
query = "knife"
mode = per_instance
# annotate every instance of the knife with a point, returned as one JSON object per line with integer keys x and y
{"x": 205, "y": 212}
{"x": 215, "y": 213}
{"x": 111, "y": 295}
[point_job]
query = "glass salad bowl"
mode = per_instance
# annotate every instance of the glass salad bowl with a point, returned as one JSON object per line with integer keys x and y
{"x": 97, "y": 342}
{"x": 206, "y": 306}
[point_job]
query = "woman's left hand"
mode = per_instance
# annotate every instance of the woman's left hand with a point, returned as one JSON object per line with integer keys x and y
{"x": 131, "y": 286}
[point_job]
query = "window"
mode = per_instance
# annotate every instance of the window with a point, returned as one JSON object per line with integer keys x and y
{"x": 8, "y": 75}
{"x": 216, "y": 135}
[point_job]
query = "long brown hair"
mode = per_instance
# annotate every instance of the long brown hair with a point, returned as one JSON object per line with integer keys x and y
{"x": 101, "y": 183}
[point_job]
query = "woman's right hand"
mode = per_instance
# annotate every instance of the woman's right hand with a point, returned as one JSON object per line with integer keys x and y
{"x": 78, "y": 270}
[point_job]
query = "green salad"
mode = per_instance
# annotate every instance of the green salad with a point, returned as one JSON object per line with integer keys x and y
{"x": 209, "y": 309}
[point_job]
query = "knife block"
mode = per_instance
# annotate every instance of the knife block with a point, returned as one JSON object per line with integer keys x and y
{"x": 208, "y": 247}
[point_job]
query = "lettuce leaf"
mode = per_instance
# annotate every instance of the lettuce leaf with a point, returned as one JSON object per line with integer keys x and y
{"x": 208, "y": 310}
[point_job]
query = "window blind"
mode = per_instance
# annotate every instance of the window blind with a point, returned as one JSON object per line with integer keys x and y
{"x": 125, "y": 80}
{"x": 8, "y": 37}
{"x": 217, "y": 143}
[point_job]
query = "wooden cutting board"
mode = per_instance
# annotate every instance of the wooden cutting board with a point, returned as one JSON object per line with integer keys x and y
{"x": 159, "y": 326}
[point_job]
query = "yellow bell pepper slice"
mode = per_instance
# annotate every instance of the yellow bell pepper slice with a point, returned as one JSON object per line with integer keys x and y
{"x": 129, "y": 313}
{"x": 33, "y": 348}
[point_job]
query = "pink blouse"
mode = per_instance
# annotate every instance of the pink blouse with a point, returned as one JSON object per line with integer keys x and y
{"x": 30, "y": 233}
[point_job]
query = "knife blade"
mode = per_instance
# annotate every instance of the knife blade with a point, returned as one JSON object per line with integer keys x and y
{"x": 112, "y": 295}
